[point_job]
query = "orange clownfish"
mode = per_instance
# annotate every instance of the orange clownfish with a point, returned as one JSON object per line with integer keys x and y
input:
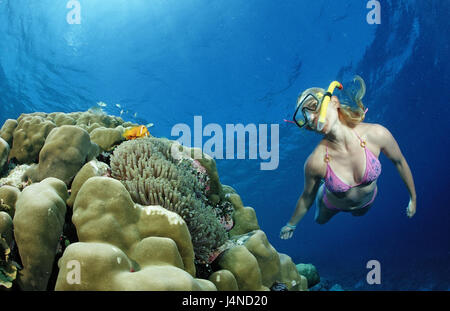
{"x": 136, "y": 132}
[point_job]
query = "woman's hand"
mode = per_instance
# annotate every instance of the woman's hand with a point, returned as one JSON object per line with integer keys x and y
{"x": 287, "y": 231}
{"x": 411, "y": 209}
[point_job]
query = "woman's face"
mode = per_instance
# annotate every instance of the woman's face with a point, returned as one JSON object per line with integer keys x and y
{"x": 331, "y": 118}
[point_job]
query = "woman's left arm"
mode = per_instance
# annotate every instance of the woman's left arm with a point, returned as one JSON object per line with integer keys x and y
{"x": 388, "y": 145}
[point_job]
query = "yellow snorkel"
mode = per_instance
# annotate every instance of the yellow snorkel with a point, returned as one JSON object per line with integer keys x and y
{"x": 325, "y": 101}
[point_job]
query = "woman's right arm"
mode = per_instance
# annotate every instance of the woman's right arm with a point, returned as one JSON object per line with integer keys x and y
{"x": 306, "y": 200}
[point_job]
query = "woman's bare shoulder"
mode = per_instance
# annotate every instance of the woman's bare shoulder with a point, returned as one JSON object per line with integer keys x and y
{"x": 375, "y": 133}
{"x": 315, "y": 164}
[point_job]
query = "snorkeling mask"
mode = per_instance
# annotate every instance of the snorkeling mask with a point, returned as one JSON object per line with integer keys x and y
{"x": 313, "y": 103}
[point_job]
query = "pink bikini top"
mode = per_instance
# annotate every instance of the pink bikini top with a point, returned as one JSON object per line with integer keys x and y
{"x": 373, "y": 169}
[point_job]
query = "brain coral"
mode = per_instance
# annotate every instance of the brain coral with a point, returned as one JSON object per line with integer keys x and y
{"x": 153, "y": 177}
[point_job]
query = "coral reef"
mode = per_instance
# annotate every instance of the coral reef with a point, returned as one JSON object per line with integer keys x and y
{"x": 4, "y": 152}
{"x": 116, "y": 270}
{"x": 153, "y": 177}
{"x": 90, "y": 211}
{"x": 38, "y": 224}
{"x": 267, "y": 257}
{"x": 207, "y": 164}
{"x": 90, "y": 169}
{"x": 244, "y": 266}
{"x": 244, "y": 217}
{"x": 7, "y": 130}
{"x": 29, "y": 137}
{"x": 8, "y": 268}
{"x": 66, "y": 150}
{"x": 256, "y": 265}
{"x": 107, "y": 138}
{"x": 112, "y": 217}
{"x": 17, "y": 176}
{"x": 279, "y": 287}
{"x": 310, "y": 272}
{"x": 6, "y": 227}
{"x": 8, "y": 199}
{"x": 142, "y": 247}
{"x": 290, "y": 275}
{"x": 224, "y": 280}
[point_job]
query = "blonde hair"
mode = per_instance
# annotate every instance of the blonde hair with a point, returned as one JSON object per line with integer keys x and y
{"x": 349, "y": 114}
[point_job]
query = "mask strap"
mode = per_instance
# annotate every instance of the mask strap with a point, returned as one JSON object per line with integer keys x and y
{"x": 288, "y": 121}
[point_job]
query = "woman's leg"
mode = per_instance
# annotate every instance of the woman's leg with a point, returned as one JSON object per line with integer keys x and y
{"x": 361, "y": 211}
{"x": 323, "y": 213}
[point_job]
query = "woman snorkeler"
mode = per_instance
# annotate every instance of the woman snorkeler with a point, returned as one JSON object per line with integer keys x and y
{"x": 341, "y": 172}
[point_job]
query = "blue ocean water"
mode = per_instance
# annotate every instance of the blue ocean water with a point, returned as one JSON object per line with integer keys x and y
{"x": 245, "y": 62}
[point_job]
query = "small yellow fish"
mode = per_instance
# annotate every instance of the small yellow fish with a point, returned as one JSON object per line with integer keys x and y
{"x": 136, "y": 132}
{"x": 101, "y": 104}
{"x": 118, "y": 106}
{"x": 135, "y": 114}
